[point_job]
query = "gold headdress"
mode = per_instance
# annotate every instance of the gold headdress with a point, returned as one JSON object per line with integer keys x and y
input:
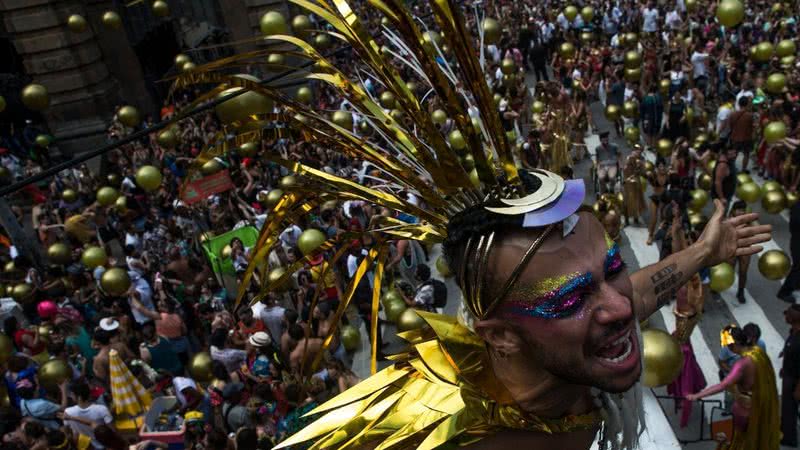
{"x": 412, "y": 156}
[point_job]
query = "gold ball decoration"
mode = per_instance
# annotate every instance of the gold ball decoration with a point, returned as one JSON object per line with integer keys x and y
{"x": 248, "y": 149}
{"x": 507, "y": 66}
{"x": 770, "y": 186}
{"x": 785, "y": 47}
{"x": 394, "y": 309}
{"x": 749, "y": 192}
{"x": 121, "y": 204}
{"x": 697, "y": 220}
{"x": 288, "y": 182}
{"x": 722, "y": 276}
{"x": 663, "y": 86}
{"x": 633, "y": 74}
{"x": 387, "y": 100}
{"x": 351, "y": 337}
{"x": 633, "y": 59}
{"x": 273, "y": 22}
{"x": 241, "y": 107}
{"x": 107, "y": 195}
{"x": 537, "y": 107}
{"x": 168, "y": 138}
{"x": 273, "y": 197}
{"x": 730, "y": 13}
{"x": 114, "y": 180}
{"x": 69, "y": 195}
{"x": 664, "y": 147}
{"x": 77, "y": 24}
{"x": 391, "y": 296}
{"x": 54, "y": 372}
{"x": 491, "y": 31}
{"x": 691, "y": 5}
{"x": 763, "y": 52}
{"x": 409, "y": 320}
{"x": 274, "y": 279}
{"x": 9, "y": 267}
{"x": 662, "y": 358}
{"x": 699, "y": 199}
{"x": 304, "y": 95}
{"x": 632, "y": 134}
{"x": 442, "y": 267}
{"x": 210, "y": 167}
{"x": 6, "y": 348}
{"x": 743, "y": 177}
{"x": 35, "y": 97}
{"x": 587, "y": 13}
{"x": 115, "y": 281}
{"x": 59, "y": 253}
{"x": 571, "y": 12}
{"x": 343, "y": 119}
{"x": 322, "y": 41}
{"x": 112, "y": 20}
{"x": 787, "y": 61}
{"x": 301, "y": 26}
{"x": 775, "y": 131}
{"x": 586, "y": 37}
{"x": 649, "y": 166}
{"x": 566, "y": 50}
{"x": 397, "y": 115}
{"x": 474, "y": 178}
{"x": 93, "y": 257}
{"x": 774, "y": 265}
{"x": 21, "y": 291}
{"x": 457, "y": 140}
{"x": 773, "y": 202}
{"x": 791, "y": 199}
{"x": 226, "y": 252}
{"x": 631, "y": 40}
{"x": 200, "y": 367}
{"x": 429, "y": 38}
{"x": 276, "y": 59}
{"x": 630, "y": 109}
{"x": 160, "y": 8}
{"x": 188, "y": 66}
{"x": 129, "y": 116}
{"x": 148, "y": 178}
{"x": 42, "y": 141}
{"x": 775, "y": 83}
{"x": 181, "y": 59}
{"x": 613, "y": 112}
{"x": 439, "y": 117}
{"x": 2, "y": 103}
{"x": 704, "y": 181}
{"x": 310, "y": 240}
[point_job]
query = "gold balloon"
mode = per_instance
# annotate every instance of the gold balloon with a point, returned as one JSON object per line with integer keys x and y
{"x": 6, "y": 348}
{"x": 273, "y": 23}
{"x": 722, "y": 276}
{"x": 304, "y": 95}
{"x": 699, "y": 198}
{"x": 77, "y": 24}
{"x": 587, "y": 13}
{"x": 791, "y": 199}
{"x": 749, "y": 192}
{"x": 566, "y": 50}
{"x": 633, "y": 59}
{"x": 507, "y": 66}
{"x": 107, "y": 195}
{"x": 274, "y": 277}
{"x": 42, "y": 141}
{"x": 181, "y": 59}
{"x": 397, "y": 115}
{"x": 632, "y": 134}
{"x": 439, "y": 117}
{"x": 351, "y": 337}
{"x": 210, "y": 167}
{"x": 630, "y": 109}
{"x": 272, "y": 198}
{"x": 474, "y": 178}
{"x": 59, "y": 253}
{"x": 387, "y": 100}
{"x": 586, "y": 37}
{"x": 771, "y": 185}
{"x": 9, "y": 267}
{"x": 301, "y": 26}
{"x": 697, "y": 220}
{"x": 394, "y": 309}
{"x": 730, "y": 13}
{"x": 409, "y": 320}
{"x": 129, "y": 116}
{"x": 662, "y": 358}
{"x": 773, "y": 202}
{"x": 310, "y": 240}
{"x": 112, "y": 20}
{"x": 276, "y": 59}
{"x": 787, "y": 61}
{"x": 168, "y": 139}
{"x": 35, "y": 97}
{"x": 704, "y": 181}
{"x": 248, "y": 149}
{"x": 429, "y": 38}
{"x": 491, "y": 31}
{"x": 457, "y": 140}
{"x": 785, "y": 47}
{"x": 775, "y": 83}
{"x": 21, "y": 291}
{"x": 322, "y": 41}
{"x": 649, "y": 166}
{"x": 200, "y": 367}
{"x": 631, "y": 40}
{"x": 54, "y": 372}
{"x": 288, "y": 182}
{"x": 121, "y": 204}
{"x": 743, "y": 177}
{"x": 442, "y": 267}
{"x": 571, "y": 12}
{"x": 537, "y": 107}
{"x": 93, "y": 257}
{"x": 612, "y": 112}
{"x": 633, "y": 74}
{"x": 763, "y": 52}
{"x": 69, "y": 195}
{"x": 243, "y": 106}
{"x": 664, "y": 147}
{"x": 774, "y": 131}
{"x": 412, "y": 86}
{"x": 391, "y": 296}
{"x": 663, "y": 87}
{"x": 160, "y": 8}
{"x": 774, "y": 265}
{"x": 113, "y": 179}
{"x": 148, "y": 178}
{"x": 344, "y": 119}
{"x": 115, "y": 281}
{"x": 691, "y": 5}
{"x": 187, "y": 66}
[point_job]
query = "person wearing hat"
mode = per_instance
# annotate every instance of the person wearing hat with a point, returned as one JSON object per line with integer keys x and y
{"x": 263, "y": 352}
{"x": 235, "y": 414}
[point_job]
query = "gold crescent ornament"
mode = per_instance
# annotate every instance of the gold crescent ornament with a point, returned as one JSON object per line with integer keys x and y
{"x": 730, "y": 13}
{"x": 773, "y": 202}
{"x": 722, "y": 277}
{"x": 310, "y": 240}
{"x": 491, "y": 31}
{"x": 129, "y": 116}
{"x": 35, "y": 97}
{"x": 775, "y": 131}
{"x": 273, "y": 22}
{"x": 112, "y": 20}
{"x": 77, "y": 24}
{"x": 775, "y": 83}
{"x": 662, "y": 358}
{"x": 200, "y": 367}
{"x": 774, "y": 265}
{"x": 409, "y": 320}
{"x": 148, "y": 178}
{"x": 351, "y": 338}
{"x": 94, "y": 257}
{"x": 115, "y": 281}
{"x": 749, "y": 192}
{"x": 243, "y": 106}
{"x": 211, "y": 167}
{"x": 107, "y": 195}
{"x": 160, "y": 8}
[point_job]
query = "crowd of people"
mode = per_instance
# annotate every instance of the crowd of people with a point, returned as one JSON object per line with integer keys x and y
{"x": 700, "y": 101}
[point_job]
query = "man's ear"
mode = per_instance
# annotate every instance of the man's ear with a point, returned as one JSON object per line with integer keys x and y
{"x": 501, "y": 337}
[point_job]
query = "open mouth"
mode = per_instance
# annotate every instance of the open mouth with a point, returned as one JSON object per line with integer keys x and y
{"x": 621, "y": 353}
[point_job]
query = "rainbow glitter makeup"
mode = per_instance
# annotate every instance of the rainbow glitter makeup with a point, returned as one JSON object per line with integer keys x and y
{"x": 614, "y": 263}
{"x": 551, "y": 298}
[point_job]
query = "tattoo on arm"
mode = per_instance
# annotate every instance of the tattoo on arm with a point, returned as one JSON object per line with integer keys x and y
{"x": 666, "y": 284}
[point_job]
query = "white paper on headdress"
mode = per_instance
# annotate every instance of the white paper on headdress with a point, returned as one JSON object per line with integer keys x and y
{"x": 569, "y": 224}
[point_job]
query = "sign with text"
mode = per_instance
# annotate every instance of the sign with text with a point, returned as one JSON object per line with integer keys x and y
{"x": 199, "y": 190}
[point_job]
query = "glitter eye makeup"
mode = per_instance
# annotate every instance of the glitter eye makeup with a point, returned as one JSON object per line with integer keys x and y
{"x": 614, "y": 263}
{"x": 552, "y": 298}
